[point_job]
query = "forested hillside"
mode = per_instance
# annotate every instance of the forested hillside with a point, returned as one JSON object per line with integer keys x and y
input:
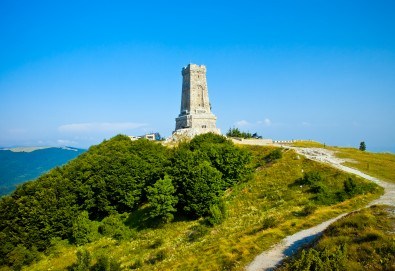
{"x": 19, "y": 167}
{"x": 205, "y": 204}
{"x": 115, "y": 177}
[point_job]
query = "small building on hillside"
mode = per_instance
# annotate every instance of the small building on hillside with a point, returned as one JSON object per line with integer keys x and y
{"x": 151, "y": 136}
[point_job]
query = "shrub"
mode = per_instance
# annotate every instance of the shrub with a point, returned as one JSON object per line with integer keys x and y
{"x": 157, "y": 257}
{"x": 308, "y": 210}
{"x": 83, "y": 261}
{"x": 269, "y": 222}
{"x": 310, "y": 178}
{"x": 113, "y": 226}
{"x": 217, "y": 213}
{"x": 104, "y": 263}
{"x": 350, "y": 186}
{"x": 273, "y": 156}
{"x": 317, "y": 188}
{"x": 197, "y": 232}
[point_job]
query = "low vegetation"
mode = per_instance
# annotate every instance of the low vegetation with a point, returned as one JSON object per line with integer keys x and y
{"x": 203, "y": 205}
{"x": 308, "y": 144}
{"x": 380, "y": 165}
{"x": 362, "y": 240}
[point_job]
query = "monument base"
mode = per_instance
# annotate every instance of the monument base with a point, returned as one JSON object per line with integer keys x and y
{"x": 189, "y": 133}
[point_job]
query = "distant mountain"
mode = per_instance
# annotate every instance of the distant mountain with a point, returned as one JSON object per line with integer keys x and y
{"x": 18, "y": 165}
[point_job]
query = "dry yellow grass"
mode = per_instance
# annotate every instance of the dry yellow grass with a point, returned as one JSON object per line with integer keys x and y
{"x": 380, "y": 165}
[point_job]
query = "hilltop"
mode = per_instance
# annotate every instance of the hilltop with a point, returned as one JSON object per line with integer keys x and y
{"x": 205, "y": 204}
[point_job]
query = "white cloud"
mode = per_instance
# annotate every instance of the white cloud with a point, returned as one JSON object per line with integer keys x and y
{"x": 242, "y": 123}
{"x": 304, "y": 123}
{"x": 99, "y": 127}
{"x": 267, "y": 122}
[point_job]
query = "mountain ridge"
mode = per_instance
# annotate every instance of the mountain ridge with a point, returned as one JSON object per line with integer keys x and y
{"x": 21, "y": 164}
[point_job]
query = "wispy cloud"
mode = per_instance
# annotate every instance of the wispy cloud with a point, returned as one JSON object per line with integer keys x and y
{"x": 267, "y": 122}
{"x": 99, "y": 127}
{"x": 242, "y": 123}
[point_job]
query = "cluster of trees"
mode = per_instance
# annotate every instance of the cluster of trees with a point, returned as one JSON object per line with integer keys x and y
{"x": 115, "y": 177}
{"x": 235, "y": 132}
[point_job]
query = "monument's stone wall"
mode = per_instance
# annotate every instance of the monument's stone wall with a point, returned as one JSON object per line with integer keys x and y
{"x": 195, "y": 112}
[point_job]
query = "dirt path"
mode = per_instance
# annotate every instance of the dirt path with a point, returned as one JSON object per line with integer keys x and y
{"x": 289, "y": 245}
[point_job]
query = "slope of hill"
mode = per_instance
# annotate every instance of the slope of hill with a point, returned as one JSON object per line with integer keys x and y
{"x": 363, "y": 240}
{"x": 110, "y": 206}
{"x": 18, "y": 165}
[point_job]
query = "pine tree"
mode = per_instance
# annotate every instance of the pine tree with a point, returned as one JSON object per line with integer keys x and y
{"x": 362, "y": 146}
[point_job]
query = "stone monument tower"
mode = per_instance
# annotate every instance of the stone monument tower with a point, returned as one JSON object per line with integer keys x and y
{"x": 195, "y": 116}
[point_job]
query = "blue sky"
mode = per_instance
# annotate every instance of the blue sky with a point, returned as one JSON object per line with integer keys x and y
{"x": 76, "y": 72}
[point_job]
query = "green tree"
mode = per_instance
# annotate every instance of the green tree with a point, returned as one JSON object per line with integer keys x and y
{"x": 362, "y": 146}
{"x": 162, "y": 199}
{"x": 82, "y": 229}
{"x": 201, "y": 189}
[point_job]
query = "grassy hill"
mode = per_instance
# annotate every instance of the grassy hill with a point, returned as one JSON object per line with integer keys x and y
{"x": 378, "y": 165}
{"x": 20, "y": 165}
{"x": 284, "y": 194}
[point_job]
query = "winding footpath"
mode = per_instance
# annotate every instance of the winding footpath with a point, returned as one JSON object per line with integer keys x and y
{"x": 289, "y": 245}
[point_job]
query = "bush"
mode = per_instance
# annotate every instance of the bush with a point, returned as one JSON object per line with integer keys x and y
{"x": 269, "y": 222}
{"x": 310, "y": 178}
{"x": 273, "y": 156}
{"x": 157, "y": 257}
{"x": 197, "y": 232}
{"x": 113, "y": 226}
{"x": 350, "y": 186}
{"x": 217, "y": 213}
{"x": 319, "y": 188}
{"x": 104, "y": 263}
{"x": 83, "y": 261}
{"x": 308, "y": 210}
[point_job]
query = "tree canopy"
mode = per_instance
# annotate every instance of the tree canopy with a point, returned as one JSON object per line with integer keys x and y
{"x": 112, "y": 178}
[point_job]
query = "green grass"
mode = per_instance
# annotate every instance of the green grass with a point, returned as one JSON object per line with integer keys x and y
{"x": 363, "y": 240}
{"x": 260, "y": 213}
{"x": 308, "y": 144}
{"x": 380, "y": 165}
